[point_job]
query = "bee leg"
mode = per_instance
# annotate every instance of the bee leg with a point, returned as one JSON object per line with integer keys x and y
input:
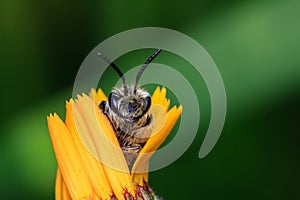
{"x": 102, "y": 106}
{"x": 131, "y": 148}
{"x": 149, "y": 120}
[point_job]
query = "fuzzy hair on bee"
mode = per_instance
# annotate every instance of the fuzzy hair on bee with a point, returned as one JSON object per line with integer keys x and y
{"x": 127, "y": 110}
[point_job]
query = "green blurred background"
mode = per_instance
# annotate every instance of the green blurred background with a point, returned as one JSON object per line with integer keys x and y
{"x": 255, "y": 44}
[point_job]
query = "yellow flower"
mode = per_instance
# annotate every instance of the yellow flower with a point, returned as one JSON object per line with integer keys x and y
{"x": 91, "y": 164}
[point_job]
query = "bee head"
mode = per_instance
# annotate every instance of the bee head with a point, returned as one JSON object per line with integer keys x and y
{"x": 131, "y": 106}
{"x": 130, "y": 103}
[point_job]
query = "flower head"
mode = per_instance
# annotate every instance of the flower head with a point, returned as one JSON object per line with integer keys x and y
{"x": 91, "y": 163}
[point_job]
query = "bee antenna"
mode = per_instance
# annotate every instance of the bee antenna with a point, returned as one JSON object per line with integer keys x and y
{"x": 149, "y": 60}
{"x": 116, "y": 68}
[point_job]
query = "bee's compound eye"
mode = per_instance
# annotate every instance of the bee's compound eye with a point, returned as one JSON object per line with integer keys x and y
{"x": 147, "y": 104}
{"x": 113, "y": 102}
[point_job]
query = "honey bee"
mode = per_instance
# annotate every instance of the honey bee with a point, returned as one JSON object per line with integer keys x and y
{"x": 127, "y": 110}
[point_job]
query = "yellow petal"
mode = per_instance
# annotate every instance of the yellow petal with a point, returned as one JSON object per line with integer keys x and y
{"x": 70, "y": 163}
{"x": 92, "y": 166}
{"x": 166, "y": 104}
{"x": 157, "y": 139}
{"x": 97, "y": 96}
{"x": 91, "y": 162}
{"x": 142, "y": 161}
{"x": 99, "y": 137}
{"x": 159, "y": 117}
{"x": 159, "y": 97}
{"x": 156, "y": 96}
{"x": 61, "y": 191}
{"x": 58, "y": 185}
{"x": 158, "y": 135}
